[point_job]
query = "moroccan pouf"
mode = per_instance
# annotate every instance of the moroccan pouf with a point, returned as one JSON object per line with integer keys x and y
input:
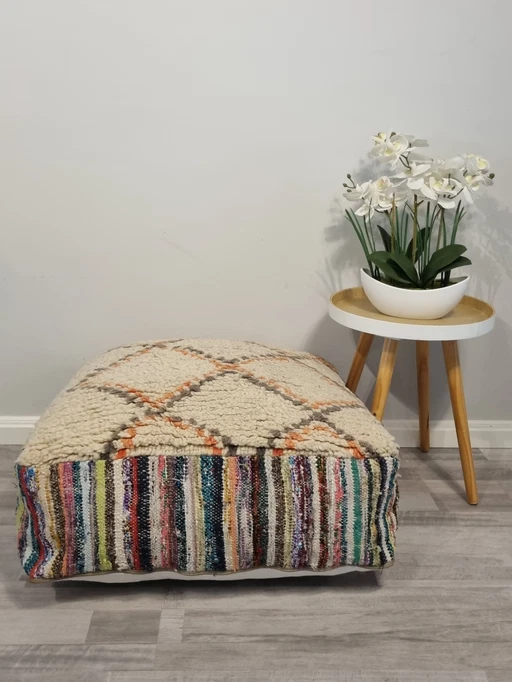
{"x": 202, "y": 456}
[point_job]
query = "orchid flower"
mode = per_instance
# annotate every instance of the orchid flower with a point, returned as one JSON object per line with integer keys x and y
{"x": 414, "y": 175}
{"x": 376, "y": 196}
{"x": 444, "y": 190}
{"x": 450, "y": 166}
{"x": 357, "y": 192}
{"x": 472, "y": 183}
{"x": 390, "y": 147}
{"x": 373, "y": 200}
{"x": 476, "y": 165}
{"x": 415, "y": 142}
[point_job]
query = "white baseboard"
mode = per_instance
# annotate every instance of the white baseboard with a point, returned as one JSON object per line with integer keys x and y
{"x": 16, "y": 430}
{"x": 484, "y": 434}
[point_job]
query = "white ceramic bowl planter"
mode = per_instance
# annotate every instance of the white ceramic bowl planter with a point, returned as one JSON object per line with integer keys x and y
{"x": 415, "y": 304}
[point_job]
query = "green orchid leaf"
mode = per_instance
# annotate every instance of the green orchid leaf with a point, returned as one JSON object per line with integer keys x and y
{"x": 441, "y": 261}
{"x": 458, "y": 263}
{"x": 380, "y": 259}
{"x": 405, "y": 267}
{"x": 396, "y": 267}
{"x": 386, "y": 238}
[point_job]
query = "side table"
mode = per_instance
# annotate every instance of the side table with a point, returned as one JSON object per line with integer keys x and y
{"x": 471, "y": 318}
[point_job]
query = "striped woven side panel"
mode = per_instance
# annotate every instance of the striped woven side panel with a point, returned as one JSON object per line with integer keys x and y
{"x": 206, "y": 514}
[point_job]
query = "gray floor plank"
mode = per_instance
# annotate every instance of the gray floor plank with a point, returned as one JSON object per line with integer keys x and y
{"x": 33, "y": 626}
{"x": 507, "y": 487}
{"x": 8, "y": 454}
{"x": 415, "y": 456}
{"x": 268, "y": 675}
{"x": 490, "y": 547}
{"x": 90, "y": 657}
{"x": 394, "y": 622}
{"x": 171, "y": 626}
{"x": 313, "y": 592}
{"x": 351, "y": 653}
{"x": 87, "y": 596}
{"x": 53, "y": 676}
{"x": 439, "y": 469}
{"x": 7, "y": 484}
{"x": 447, "y": 486}
{"x": 139, "y": 626}
{"x": 499, "y": 456}
{"x": 491, "y": 502}
{"x": 417, "y": 501}
{"x": 146, "y": 676}
{"x": 456, "y": 573}
{"x": 465, "y": 517}
{"x": 336, "y": 596}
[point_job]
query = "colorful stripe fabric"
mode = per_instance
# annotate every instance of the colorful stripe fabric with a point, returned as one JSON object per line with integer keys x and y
{"x": 206, "y": 514}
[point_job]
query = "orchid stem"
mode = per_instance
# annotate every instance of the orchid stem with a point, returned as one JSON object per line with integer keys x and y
{"x": 393, "y": 227}
{"x": 441, "y": 227}
{"x": 415, "y": 229}
{"x": 425, "y": 240}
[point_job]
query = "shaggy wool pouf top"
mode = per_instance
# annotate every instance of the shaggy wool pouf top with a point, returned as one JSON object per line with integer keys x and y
{"x": 205, "y": 396}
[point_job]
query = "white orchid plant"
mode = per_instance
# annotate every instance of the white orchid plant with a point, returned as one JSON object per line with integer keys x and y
{"x": 422, "y": 202}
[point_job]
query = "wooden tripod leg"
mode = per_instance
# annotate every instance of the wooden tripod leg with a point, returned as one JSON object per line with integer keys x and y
{"x": 358, "y": 362}
{"x": 423, "y": 393}
{"x": 451, "y": 359}
{"x": 386, "y": 367}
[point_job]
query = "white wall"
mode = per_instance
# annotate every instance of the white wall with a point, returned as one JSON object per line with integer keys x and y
{"x": 168, "y": 168}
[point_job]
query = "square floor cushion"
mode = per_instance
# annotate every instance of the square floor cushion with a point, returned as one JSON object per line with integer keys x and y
{"x": 203, "y": 456}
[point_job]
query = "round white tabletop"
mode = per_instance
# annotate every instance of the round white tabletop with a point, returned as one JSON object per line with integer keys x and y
{"x": 472, "y": 317}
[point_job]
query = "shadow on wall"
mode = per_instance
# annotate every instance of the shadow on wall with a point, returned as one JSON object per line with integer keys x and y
{"x": 487, "y": 233}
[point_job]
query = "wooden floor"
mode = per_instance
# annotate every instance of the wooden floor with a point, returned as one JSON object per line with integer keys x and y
{"x": 442, "y": 613}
